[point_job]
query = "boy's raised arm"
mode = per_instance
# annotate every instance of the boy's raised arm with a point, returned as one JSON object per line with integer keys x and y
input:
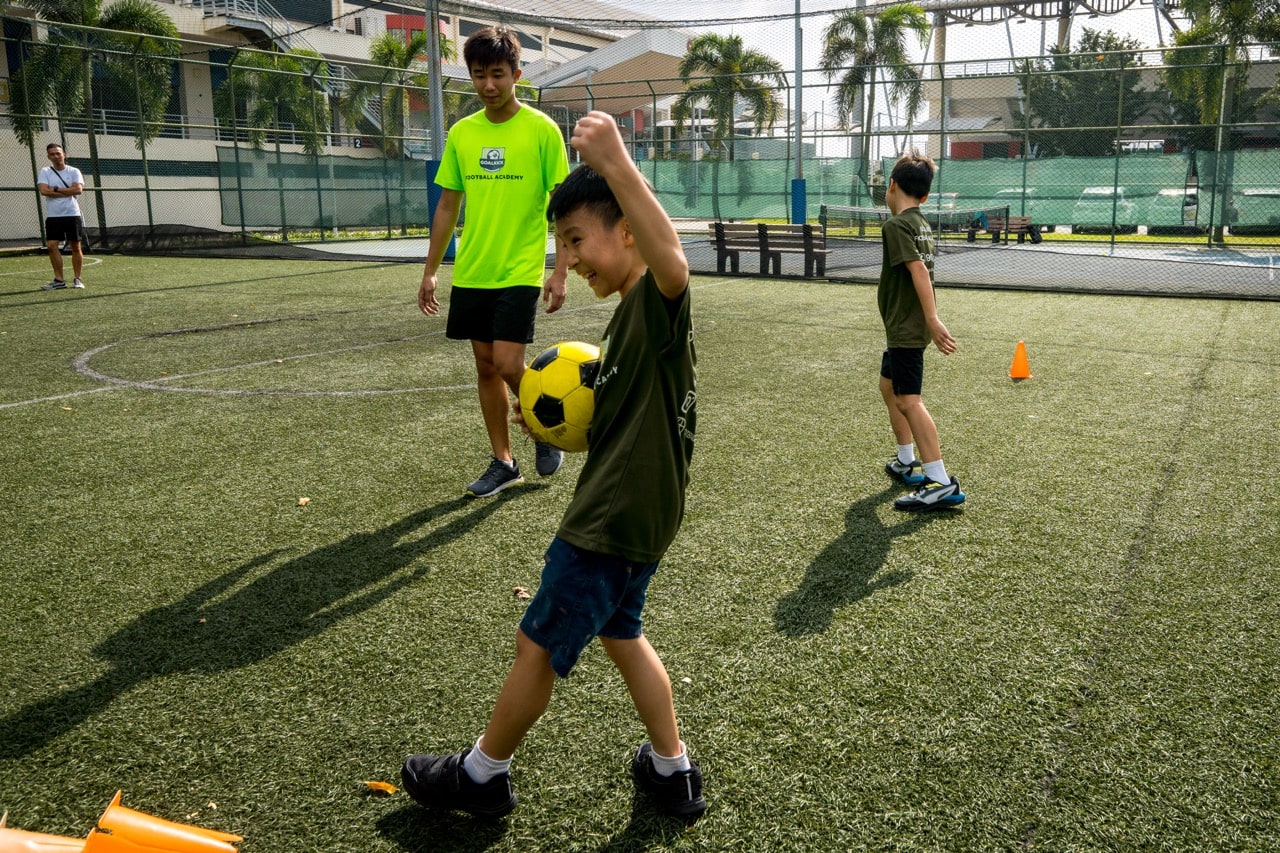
{"x": 597, "y": 139}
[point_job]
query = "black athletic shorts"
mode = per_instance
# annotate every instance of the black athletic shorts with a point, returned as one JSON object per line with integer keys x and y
{"x": 492, "y": 314}
{"x": 904, "y": 367}
{"x": 62, "y": 228}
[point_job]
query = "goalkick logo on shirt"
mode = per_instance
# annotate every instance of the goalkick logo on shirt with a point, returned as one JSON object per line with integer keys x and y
{"x": 493, "y": 159}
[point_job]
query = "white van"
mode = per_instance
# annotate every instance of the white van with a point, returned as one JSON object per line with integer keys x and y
{"x": 1097, "y": 206}
{"x": 1174, "y": 211}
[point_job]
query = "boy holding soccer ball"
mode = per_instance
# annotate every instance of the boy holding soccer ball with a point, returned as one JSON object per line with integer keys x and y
{"x": 628, "y": 503}
{"x": 910, "y": 315}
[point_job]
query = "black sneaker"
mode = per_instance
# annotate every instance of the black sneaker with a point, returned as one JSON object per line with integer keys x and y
{"x": 679, "y": 794}
{"x": 496, "y": 478}
{"x": 932, "y": 495}
{"x": 912, "y": 474}
{"x": 440, "y": 782}
{"x": 56, "y": 284}
{"x": 548, "y": 460}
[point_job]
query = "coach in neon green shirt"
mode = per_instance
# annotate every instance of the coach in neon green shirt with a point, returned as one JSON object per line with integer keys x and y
{"x": 506, "y": 160}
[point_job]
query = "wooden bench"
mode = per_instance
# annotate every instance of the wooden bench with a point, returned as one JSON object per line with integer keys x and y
{"x": 998, "y": 226}
{"x": 771, "y": 241}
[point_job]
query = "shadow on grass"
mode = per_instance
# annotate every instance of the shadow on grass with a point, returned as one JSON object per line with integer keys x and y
{"x": 239, "y": 619}
{"x": 419, "y": 830}
{"x": 846, "y": 570}
{"x": 647, "y": 829}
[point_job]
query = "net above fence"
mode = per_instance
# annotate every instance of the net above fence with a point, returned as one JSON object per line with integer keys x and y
{"x": 849, "y": 222}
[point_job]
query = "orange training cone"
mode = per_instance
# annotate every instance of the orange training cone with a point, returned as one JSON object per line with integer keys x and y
{"x": 1021, "y": 368}
{"x": 123, "y": 830}
{"x": 21, "y": 841}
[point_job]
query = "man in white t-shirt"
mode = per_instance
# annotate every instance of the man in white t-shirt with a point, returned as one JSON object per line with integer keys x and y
{"x": 60, "y": 184}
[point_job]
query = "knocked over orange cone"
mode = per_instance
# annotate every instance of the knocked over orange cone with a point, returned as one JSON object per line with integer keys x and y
{"x": 21, "y": 841}
{"x": 123, "y": 830}
{"x": 1021, "y": 368}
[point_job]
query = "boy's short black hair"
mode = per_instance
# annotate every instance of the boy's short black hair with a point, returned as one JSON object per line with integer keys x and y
{"x": 584, "y": 188}
{"x": 491, "y": 46}
{"x": 53, "y": 145}
{"x": 914, "y": 174}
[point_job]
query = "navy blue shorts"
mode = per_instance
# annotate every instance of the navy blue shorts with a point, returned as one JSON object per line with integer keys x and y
{"x": 904, "y": 367}
{"x": 492, "y": 314}
{"x": 585, "y": 595}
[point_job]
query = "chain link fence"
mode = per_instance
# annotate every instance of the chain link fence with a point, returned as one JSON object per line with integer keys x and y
{"x": 187, "y": 145}
{"x": 184, "y": 145}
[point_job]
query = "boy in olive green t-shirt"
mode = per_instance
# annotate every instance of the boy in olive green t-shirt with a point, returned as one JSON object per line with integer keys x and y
{"x": 627, "y": 506}
{"x": 910, "y": 315}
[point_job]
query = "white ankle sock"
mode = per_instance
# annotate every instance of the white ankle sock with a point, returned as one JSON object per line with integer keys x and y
{"x": 481, "y": 768}
{"x": 906, "y": 454}
{"x": 667, "y": 766}
{"x": 937, "y": 472}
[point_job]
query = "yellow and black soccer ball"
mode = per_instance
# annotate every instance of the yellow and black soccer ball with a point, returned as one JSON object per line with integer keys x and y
{"x": 557, "y": 394}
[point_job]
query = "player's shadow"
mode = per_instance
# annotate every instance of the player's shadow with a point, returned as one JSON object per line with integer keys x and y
{"x": 419, "y": 830}
{"x": 243, "y": 617}
{"x": 848, "y": 569}
{"x": 648, "y": 828}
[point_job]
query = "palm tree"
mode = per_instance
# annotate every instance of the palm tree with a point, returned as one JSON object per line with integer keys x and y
{"x": 719, "y": 74}
{"x": 266, "y": 92}
{"x": 1219, "y": 33}
{"x": 404, "y": 65}
{"x": 856, "y": 47}
{"x": 133, "y": 42}
{"x": 269, "y": 94}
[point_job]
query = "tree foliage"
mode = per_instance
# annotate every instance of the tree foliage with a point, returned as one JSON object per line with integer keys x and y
{"x": 1093, "y": 88}
{"x": 269, "y": 94}
{"x": 861, "y": 52}
{"x": 1216, "y": 43}
{"x": 404, "y": 68}
{"x": 132, "y": 43}
{"x": 719, "y": 74}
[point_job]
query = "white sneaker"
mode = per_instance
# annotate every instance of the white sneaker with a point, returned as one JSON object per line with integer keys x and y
{"x": 78, "y": 284}
{"x": 56, "y": 284}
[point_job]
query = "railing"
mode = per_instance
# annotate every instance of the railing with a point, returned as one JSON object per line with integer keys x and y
{"x": 257, "y": 10}
{"x": 287, "y": 132}
{"x": 125, "y": 123}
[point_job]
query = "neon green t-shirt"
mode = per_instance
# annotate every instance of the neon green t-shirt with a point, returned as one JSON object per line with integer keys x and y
{"x": 507, "y": 172}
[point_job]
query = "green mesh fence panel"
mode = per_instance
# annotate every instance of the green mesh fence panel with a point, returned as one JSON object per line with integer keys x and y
{"x": 750, "y": 189}
{"x": 266, "y": 189}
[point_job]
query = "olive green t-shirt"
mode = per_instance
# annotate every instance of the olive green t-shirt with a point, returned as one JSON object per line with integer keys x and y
{"x": 907, "y": 237}
{"x": 507, "y": 171}
{"x": 629, "y": 500}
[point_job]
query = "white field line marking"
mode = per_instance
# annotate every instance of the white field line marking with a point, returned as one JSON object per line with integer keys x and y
{"x": 88, "y": 262}
{"x": 114, "y": 383}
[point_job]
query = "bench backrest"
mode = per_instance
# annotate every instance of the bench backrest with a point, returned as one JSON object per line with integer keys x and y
{"x": 736, "y": 235}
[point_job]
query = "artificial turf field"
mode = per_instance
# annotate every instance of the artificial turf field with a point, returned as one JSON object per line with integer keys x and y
{"x": 1086, "y": 657}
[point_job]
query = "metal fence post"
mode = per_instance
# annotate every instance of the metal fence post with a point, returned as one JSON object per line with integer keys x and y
{"x": 142, "y": 148}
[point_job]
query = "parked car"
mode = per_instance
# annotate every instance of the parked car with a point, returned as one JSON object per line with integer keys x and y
{"x": 1174, "y": 211}
{"x": 1023, "y": 203}
{"x": 1097, "y": 206}
{"x": 940, "y": 205}
{"x": 1257, "y": 211}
